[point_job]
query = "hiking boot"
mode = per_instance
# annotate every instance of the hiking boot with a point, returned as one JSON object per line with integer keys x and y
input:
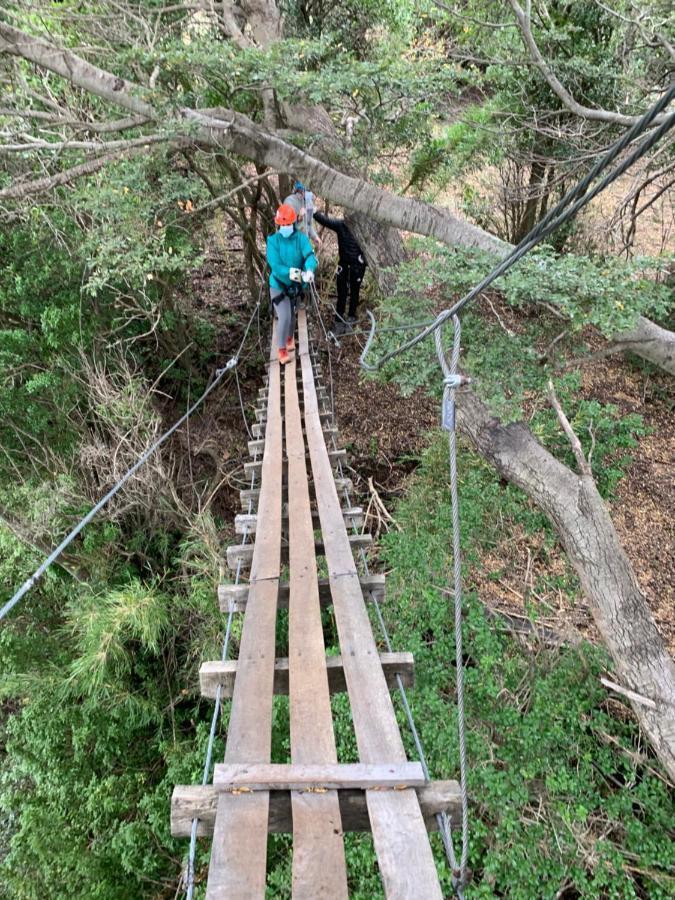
{"x": 283, "y": 356}
{"x": 290, "y": 344}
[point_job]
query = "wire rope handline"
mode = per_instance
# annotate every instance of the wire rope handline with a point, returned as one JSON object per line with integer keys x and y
{"x": 70, "y": 537}
{"x": 565, "y": 209}
{"x": 458, "y": 869}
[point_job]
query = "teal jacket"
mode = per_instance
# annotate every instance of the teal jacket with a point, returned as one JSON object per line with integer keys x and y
{"x": 284, "y": 254}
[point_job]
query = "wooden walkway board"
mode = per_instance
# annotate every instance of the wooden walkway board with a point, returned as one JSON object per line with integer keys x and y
{"x": 404, "y": 853}
{"x": 200, "y": 801}
{"x": 313, "y": 777}
{"x": 319, "y": 867}
{"x": 224, "y": 672}
{"x": 238, "y": 866}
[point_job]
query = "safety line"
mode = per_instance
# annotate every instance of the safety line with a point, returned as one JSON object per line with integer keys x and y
{"x": 570, "y": 204}
{"x": 54, "y": 555}
{"x": 458, "y": 872}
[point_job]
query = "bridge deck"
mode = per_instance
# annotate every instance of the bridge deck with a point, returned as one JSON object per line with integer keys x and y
{"x": 298, "y": 492}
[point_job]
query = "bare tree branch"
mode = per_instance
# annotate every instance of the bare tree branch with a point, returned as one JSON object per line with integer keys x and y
{"x": 76, "y": 70}
{"x": 575, "y": 443}
{"x": 586, "y": 112}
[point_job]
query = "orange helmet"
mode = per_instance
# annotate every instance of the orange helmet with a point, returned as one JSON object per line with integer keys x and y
{"x": 286, "y": 215}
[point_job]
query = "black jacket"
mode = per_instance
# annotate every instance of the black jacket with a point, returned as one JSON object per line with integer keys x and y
{"x": 348, "y": 247}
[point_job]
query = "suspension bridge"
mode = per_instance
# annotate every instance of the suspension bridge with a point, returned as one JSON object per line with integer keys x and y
{"x": 300, "y": 512}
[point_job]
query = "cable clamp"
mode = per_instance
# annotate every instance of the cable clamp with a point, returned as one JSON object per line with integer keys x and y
{"x": 231, "y": 363}
{"x": 455, "y": 381}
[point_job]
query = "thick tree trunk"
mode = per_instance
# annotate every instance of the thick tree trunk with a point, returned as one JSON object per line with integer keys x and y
{"x": 651, "y": 342}
{"x": 582, "y": 521}
{"x": 225, "y": 129}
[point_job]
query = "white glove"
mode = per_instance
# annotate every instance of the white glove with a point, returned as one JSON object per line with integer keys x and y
{"x": 308, "y": 276}
{"x": 295, "y": 274}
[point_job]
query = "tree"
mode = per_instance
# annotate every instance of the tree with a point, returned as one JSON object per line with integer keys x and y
{"x": 292, "y": 138}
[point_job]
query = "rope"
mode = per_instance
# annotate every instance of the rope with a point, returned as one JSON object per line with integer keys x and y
{"x": 192, "y": 852}
{"x": 54, "y": 555}
{"x": 564, "y": 210}
{"x": 451, "y": 381}
{"x": 458, "y": 871}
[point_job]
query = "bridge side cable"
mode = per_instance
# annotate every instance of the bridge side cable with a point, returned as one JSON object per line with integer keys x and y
{"x": 54, "y": 555}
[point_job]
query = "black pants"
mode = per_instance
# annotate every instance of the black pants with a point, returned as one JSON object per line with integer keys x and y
{"x": 349, "y": 278}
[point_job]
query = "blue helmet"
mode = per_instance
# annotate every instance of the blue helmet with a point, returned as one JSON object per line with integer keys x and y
{"x": 298, "y": 186}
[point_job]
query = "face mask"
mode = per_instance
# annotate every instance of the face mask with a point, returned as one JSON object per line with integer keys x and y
{"x": 286, "y": 230}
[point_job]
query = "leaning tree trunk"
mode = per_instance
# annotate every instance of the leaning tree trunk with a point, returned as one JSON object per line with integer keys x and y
{"x": 651, "y": 342}
{"x": 580, "y": 517}
{"x": 230, "y": 131}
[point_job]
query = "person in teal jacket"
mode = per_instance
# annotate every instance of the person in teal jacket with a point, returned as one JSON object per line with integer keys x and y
{"x": 292, "y": 265}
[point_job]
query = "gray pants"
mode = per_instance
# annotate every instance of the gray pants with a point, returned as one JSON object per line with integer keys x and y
{"x": 284, "y": 310}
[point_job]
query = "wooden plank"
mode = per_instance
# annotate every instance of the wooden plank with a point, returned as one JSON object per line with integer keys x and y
{"x": 316, "y": 776}
{"x": 325, "y": 415}
{"x": 319, "y": 868}
{"x": 257, "y": 446}
{"x": 238, "y": 866}
{"x": 258, "y": 429}
{"x": 255, "y": 466}
{"x": 236, "y": 595}
{"x": 246, "y": 552}
{"x": 253, "y": 494}
{"x": 401, "y": 843}
{"x": 190, "y": 802}
{"x": 246, "y": 523}
{"x": 225, "y": 672}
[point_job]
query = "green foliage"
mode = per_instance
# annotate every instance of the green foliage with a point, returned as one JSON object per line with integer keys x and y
{"x": 101, "y": 728}
{"x": 557, "y": 795}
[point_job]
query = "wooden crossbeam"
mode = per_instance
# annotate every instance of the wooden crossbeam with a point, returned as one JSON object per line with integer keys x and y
{"x": 236, "y": 595}
{"x": 315, "y": 777}
{"x": 404, "y": 853}
{"x": 253, "y": 494}
{"x": 247, "y": 523}
{"x": 225, "y": 672}
{"x": 258, "y": 428}
{"x": 255, "y": 466}
{"x": 244, "y": 552}
{"x": 190, "y": 802}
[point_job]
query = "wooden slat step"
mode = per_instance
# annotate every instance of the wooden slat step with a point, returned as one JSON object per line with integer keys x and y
{"x": 236, "y": 595}
{"x": 248, "y": 523}
{"x": 215, "y": 672}
{"x": 255, "y": 467}
{"x": 254, "y": 493}
{"x": 317, "y": 369}
{"x": 320, "y": 389}
{"x": 244, "y": 552}
{"x": 325, "y": 414}
{"x": 190, "y": 802}
{"x": 317, "y": 777}
{"x": 258, "y": 428}
{"x": 258, "y": 445}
